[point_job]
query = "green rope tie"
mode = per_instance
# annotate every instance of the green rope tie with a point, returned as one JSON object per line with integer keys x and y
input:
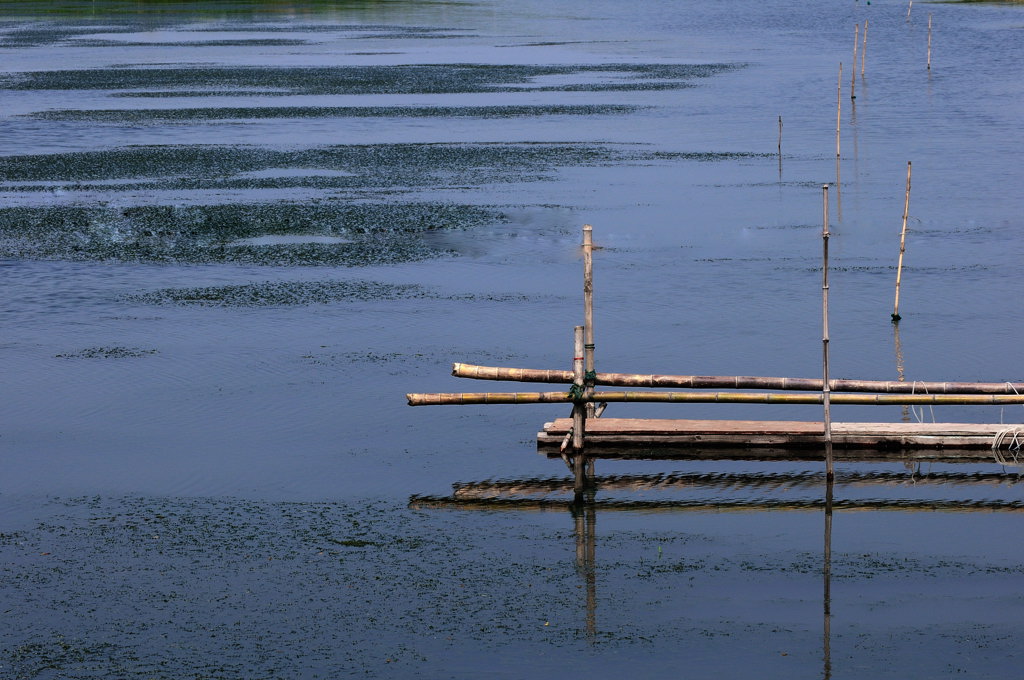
{"x": 576, "y": 393}
{"x": 590, "y": 376}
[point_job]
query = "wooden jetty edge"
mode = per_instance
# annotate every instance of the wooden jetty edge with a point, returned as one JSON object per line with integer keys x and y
{"x": 586, "y": 436}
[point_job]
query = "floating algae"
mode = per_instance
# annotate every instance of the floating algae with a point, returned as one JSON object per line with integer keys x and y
{"x": 367, "y": 225}
{"x": 268, "y": 293}
{"x": 136, "y": 116}
{"x": 108, "y": 353}
{"x": 376, "y": 79}
{"x": 364, "y": 166}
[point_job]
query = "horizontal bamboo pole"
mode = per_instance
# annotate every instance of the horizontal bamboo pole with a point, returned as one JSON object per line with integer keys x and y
{"x": 740, "y": 382}
{"x": 470, "y": 398}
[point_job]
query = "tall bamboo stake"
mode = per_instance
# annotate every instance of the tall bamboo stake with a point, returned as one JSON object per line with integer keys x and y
{"x": 825, "y": 392}
{"x": 864, "y": 49}
{"x": 903, "y": 248}
{"x": 929, "y": 41}
{"x": 588, "y": 312}
{"x": 736, "y": 382}
{"x": 853, "y": 69}
{"x": 839, "y": 106}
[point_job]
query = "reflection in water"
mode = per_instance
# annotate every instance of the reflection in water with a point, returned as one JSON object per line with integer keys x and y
{"x": 532, "y": 494}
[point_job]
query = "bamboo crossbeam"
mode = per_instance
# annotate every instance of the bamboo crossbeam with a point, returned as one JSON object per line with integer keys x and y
{"x": 479, "y": 398}
{"x": 741, "y": 382}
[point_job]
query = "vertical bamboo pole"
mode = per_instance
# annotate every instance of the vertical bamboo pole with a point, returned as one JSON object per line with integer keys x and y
{"x": 853, "y": 69}
{"x": 929, "y": 41}
{"x": 903, "y": 248}
{"x": 588, "y": 319}
{"x": 864, "y": 49}
{"x": 839, "y": 106}
{"x": 825, "y": 388}
{"x": 588, "y": 311}
{"x": 579, "y": 417}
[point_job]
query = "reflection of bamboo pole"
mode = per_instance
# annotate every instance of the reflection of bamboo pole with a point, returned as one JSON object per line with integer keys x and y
{"x": 929, "y": 42}
{"x": 734, "y": 381}
{"x": 908, "y": 9}
{"x": 585, "y": 521}
{"x": 825, "y": 394}
{"x": 482, "y": 398}
{"x": 853, "y": 69}
{"x": 864, "y": 49}
{"x": 827, "y": 578}
{"x": 839, "y": 106}
{"x": 900, "y": 377}
{"x": 903, "y": 247}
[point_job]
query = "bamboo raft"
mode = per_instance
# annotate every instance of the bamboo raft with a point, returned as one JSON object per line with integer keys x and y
{"x": 586, "y": 436}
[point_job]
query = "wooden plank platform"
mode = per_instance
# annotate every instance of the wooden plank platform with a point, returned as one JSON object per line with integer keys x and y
{"x": 784, "y": 440}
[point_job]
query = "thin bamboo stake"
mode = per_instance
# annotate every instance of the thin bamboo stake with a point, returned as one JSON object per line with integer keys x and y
{"x": 579, "y": 417}
{"x": 487, "y": 398}
{"x": 780, "y": 148}
{"x": 825, "y": 393}
{"x": 839, "y": 106}
{"x": 735, "y": 381}
{"x": 577, "y": 382}
{"x": 588, "y": 311}
{"x": 929, "y": 41}
{"x": 864, "y": 49}
{"x": 908, "y": 9}
{"x": 903, "y": 248}
{"x": 853, "y": 70}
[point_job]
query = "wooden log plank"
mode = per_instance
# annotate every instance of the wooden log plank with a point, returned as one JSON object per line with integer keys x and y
{"x": 669, "y": 426}
{"x": 617, "y": 436}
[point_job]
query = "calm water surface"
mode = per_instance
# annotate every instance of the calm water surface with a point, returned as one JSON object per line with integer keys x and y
{"x": 233, "y": 237}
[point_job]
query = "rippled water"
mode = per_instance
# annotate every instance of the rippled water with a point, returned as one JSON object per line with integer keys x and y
{"x": 234, "y": 235}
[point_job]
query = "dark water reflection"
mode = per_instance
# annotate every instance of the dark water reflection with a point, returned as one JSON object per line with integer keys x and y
{"x": 234, "y": 235}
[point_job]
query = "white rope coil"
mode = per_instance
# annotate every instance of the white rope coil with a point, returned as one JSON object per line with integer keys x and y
{"x": 1014, "y": 434}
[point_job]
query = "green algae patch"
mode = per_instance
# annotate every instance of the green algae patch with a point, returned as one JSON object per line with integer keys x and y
{"x": 376, "y": 233}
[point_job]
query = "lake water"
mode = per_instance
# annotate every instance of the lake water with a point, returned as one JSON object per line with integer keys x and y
{"x": 233, "y": 236}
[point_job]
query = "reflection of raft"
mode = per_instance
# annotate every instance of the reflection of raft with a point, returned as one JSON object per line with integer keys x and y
{"x": 776, "y": 440}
